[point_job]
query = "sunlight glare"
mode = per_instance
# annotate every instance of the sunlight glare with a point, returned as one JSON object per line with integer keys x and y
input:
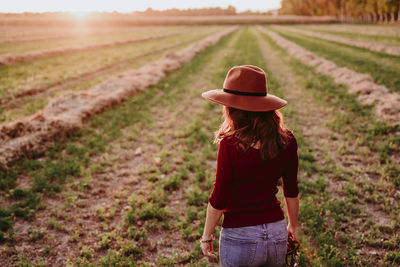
{"x": 80, "y": 15}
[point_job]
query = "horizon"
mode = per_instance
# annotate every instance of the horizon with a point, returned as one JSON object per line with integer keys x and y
{"x": 120, "y": 6}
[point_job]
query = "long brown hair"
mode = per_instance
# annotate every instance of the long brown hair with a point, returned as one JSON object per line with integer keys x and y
{"x": 263, "y": 128}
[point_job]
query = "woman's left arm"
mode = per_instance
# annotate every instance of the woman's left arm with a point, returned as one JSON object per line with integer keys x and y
{"x": 212, "y": 219}
{"x": 219, "y": 196}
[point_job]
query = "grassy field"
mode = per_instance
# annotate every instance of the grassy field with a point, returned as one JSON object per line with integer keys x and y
{"x": 26, "y": 33}
{"x": 368, "y": 31}
{"x": 384, "y": 68}
{"x": 379, "y": 38}
{"x": 83, "y": 39}
{"x": 28, "y": 86}
{"x": 130, "y": 189}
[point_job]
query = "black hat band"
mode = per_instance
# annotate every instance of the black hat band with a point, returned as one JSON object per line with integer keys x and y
{"x": 244, "y": 93}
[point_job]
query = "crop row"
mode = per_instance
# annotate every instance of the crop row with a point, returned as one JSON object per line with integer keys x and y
{"x": 23, "y": 75}
{"x": 383, "y": 68}
{"x": 28, "y": 87}
{"x": 9, "y": 59}
{"x": 368, "y": 31}
{"x": 387, "y": 148}
{"x": 14, "y": 34}
{"x": 387, "y": 103}
{"x": 84, "y": 38}
{"x": 392, "y": 50}
{"x": 67, "y": 113}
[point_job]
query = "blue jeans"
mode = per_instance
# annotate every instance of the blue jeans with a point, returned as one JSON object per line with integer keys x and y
{"x": 259, "y": 245}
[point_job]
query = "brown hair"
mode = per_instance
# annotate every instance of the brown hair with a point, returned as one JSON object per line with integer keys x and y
{"x": 263, "y": 128}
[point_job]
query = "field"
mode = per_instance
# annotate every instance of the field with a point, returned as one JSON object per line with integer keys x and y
{"x": 127, "y": 183}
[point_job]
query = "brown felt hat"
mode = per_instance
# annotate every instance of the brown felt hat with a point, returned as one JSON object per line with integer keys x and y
{"x": 245, "y": 88}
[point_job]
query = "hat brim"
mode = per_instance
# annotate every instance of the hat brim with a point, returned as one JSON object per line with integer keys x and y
{"x": 244, "y": 102}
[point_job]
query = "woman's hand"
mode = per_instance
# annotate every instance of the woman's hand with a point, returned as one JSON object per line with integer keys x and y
{"x": 207, "y": 247}
{"x": 212, "y": 219}
{"x": 293, "y": 231}
{"x": 292, "y": 206}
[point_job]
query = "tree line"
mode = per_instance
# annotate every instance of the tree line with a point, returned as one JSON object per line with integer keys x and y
{"x": 346, "y": 10}
{"x": 208, "y": 11}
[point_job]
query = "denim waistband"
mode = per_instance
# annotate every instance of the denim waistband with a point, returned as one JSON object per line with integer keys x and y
{"x": 267, "y": 231}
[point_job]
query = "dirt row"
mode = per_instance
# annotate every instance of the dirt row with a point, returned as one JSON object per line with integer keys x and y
{"x": 67, "y": 113}
{"x": 387, "y": 104}
{"x": 372, "y": 29}
{"x": 54, "y": 34}
{"x": 32, "y": 33}
{"x": 9, "y": 59}
{"x": 14, "y": 98}
{"x": 392, "y": 50}
{"x": 44, "y": 39}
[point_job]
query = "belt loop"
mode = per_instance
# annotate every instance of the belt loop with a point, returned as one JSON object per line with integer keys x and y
{"x": 265, "y": 228}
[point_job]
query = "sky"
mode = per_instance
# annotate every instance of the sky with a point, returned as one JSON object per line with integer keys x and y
{"x": 125, "y": 6}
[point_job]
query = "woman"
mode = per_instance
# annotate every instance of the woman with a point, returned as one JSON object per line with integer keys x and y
{"x": 255, "y": 150}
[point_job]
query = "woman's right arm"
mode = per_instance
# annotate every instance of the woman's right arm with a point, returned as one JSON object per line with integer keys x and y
{"x": 291, "y": 189}
{"x": 292, "y": 207}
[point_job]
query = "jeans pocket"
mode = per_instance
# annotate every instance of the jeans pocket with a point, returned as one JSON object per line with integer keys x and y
{"x": 281, "y": 250}
{"x": 277, "y": 250}
{"x": 236, "y": 252}
{"x": 277, "y": 230}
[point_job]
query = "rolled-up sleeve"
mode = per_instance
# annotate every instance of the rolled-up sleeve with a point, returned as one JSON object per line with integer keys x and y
{"x": 223, "y": 178}
{"x": 289, "y": 178}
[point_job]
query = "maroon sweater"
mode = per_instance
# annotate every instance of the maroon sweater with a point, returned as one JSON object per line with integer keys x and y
{"x": 245, "y": 186}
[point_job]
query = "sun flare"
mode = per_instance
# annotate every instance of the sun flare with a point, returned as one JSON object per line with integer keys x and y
{"x": 80, "y": 15}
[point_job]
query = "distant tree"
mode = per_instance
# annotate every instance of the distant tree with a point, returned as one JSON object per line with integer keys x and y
{"x": 208, "y": 11}
{"x": 231, "y": 10}
{"x": 363, "y": 10}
